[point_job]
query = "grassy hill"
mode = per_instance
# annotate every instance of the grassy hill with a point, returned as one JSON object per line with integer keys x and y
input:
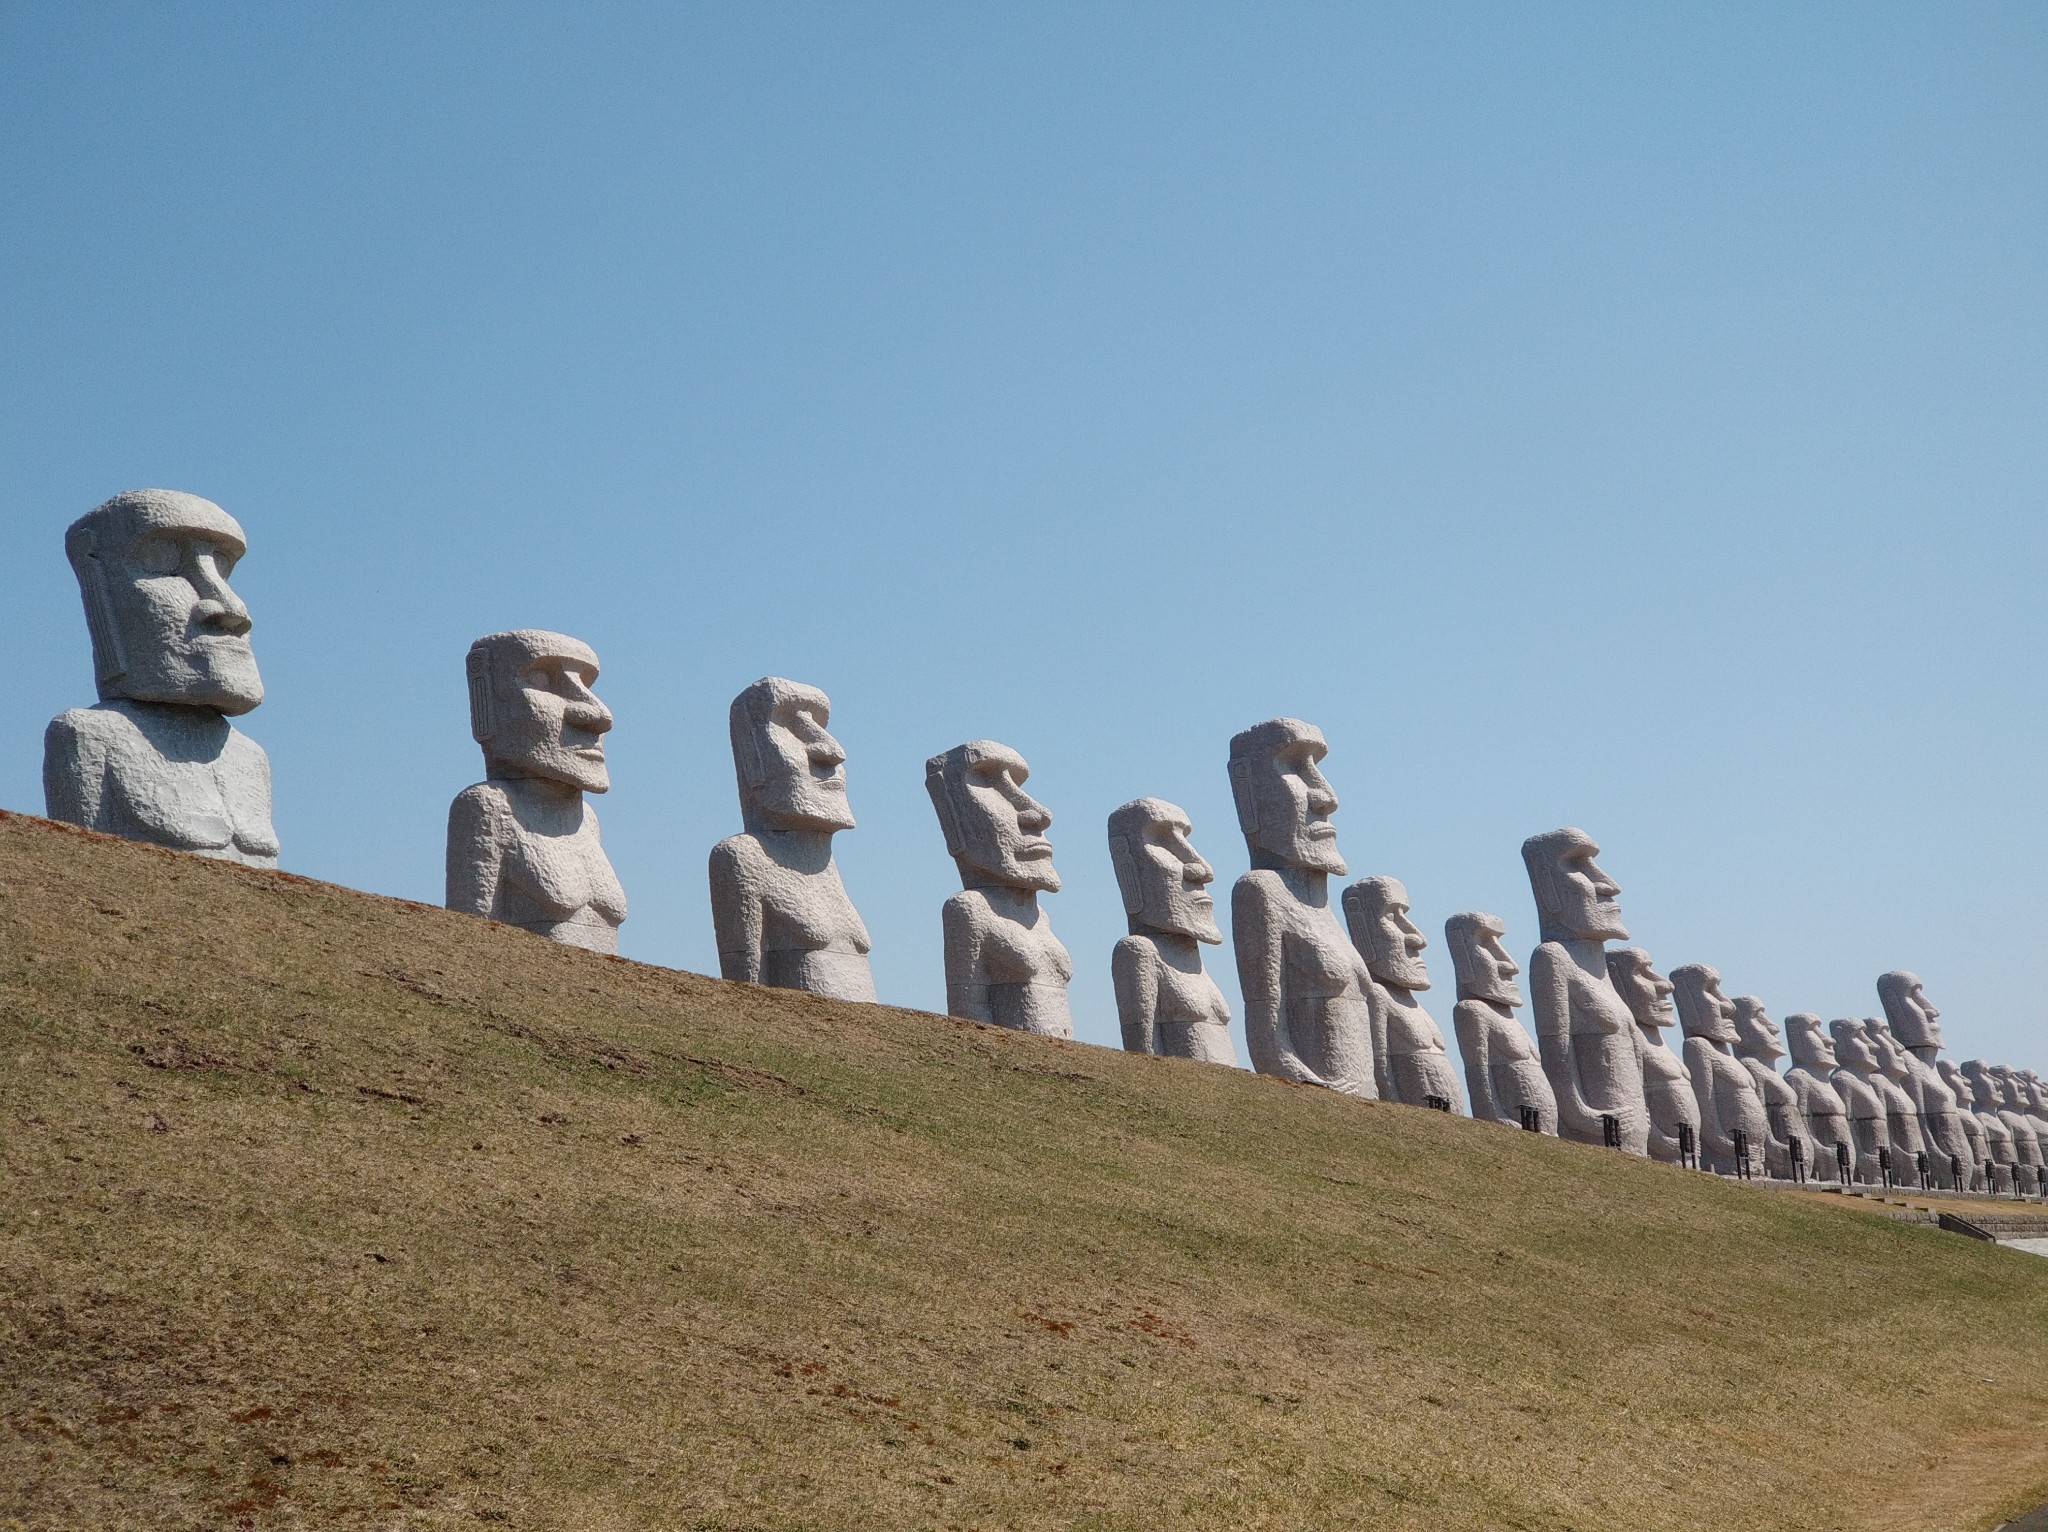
{"x": 325, "y": 1210}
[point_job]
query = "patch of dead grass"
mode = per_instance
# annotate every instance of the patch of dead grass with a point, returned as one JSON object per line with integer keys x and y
{"x": 327, "y": 1210}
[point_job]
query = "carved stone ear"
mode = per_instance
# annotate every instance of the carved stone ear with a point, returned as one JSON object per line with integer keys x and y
{"x": 1126, "y": 866}
{"x": 109, "y": 663}
{"x": 748, "y": 749}
{"x": 942, "y": 801}
{"x": 481, "y": 724}
{"x": 1247, "y": 801}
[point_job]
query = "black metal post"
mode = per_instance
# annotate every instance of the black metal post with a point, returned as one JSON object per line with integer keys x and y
{"x": 1742, "y": 1154}
{"x": 1610, "y": 1130}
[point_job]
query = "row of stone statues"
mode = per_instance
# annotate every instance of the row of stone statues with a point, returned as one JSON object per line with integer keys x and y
{"x": 158, "y": 760}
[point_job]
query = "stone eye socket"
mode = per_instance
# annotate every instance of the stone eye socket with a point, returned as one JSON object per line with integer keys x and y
{"x": 156, "y": 556}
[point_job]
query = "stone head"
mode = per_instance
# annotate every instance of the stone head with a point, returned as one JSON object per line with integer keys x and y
{"x": 1164, "y": 880}
{"x": 1891, "y": 1056}
{"x": 1575, "y": 900}
{"x": 1376, "y": 910}
{"x": 1958, "y": 1083}
{"x": 1908, "y": 1010}
{"x": 532, "y": 708}
{"x": 1646, "y": 992}
{"x": 2031, "y": 1091}
{"x": 1756, "y": 1035}
{"x": 994, "y": 829}
{"x": 1480, "y": 958}
{"x": 1812, "y": 1049}
{"x": 153, "y": 567}
{"x": 792, "y": 773}
{"x": 1983, "y": 1094}
{"x": 1853, "y": 1047}
{"x": 1703, "y": 1011}
{"x": 1284, "y": 802}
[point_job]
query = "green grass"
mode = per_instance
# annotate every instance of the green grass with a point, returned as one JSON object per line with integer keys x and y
{"x": 325, "y": 1210}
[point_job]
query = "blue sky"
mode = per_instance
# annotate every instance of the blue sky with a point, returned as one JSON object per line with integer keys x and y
{"x": 1627, "y": 416}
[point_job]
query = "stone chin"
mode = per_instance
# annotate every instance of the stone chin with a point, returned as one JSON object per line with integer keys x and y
{"x": 218, "y": 673}
{"x": 558, "y": 765}
{"x": 1402, "y": 974}
{"x": 1188, "y": 917}
{"x": 808, "y": 808}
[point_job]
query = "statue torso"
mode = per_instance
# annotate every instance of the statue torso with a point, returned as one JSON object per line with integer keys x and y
{"x": 173, "y": 776}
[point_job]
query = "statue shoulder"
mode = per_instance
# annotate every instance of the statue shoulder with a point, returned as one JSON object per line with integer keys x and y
{"x": 1133, "y": 953}
{"x": 84, "y": 728}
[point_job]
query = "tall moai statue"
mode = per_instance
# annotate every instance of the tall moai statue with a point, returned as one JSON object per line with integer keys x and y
{"x": 1003, "y": 964}
{"x": 1984, "y": 1158}
{"x": 2023, "y": 1087}
{"x": 1854, "y": 1079}
{"x": 1913, "y": 1021}
{"x": 1821, "y": 1106}
{"x": 1587, "y": 1036}
{"x": 155, "y": 759}
{"x": 1974, "y": 1085}
{"x": 1165, "y": 1000}
{"x": 523, "y": 845}
{"x": 1911, "y": 1150}
{"x": 1502, "y": 1071}
{"x": 1667, "y": 1088}
{"x": 1758, "y": 1047}
{"x": 1733, "y": 1126}
{"x": 1306, "y": 1015}
{"x": 778, "y": 907}
{"x": 1411, "y": 1064}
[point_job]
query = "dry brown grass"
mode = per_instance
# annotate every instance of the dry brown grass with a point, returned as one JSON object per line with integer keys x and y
{"x": 327, "y": 1210}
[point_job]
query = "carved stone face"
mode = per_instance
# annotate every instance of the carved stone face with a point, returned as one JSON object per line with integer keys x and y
{"x": 1952, "y": 1076}
{"x": 2031, "y": 1091}
{"x": 1646, "y": 992}
{"x": 1811, "y": 1048}
{"x": 994, "y": 829}
{"x": 1376, "y": 910}
{"x": 792, "y": 772}
{"x": 1575, "y": 900}
{"x": 153, "y": 567}
{"x": 1756, "y": 1035}
{"x": 1983, "y": 1095}
{"x": 1164, "y": 880}
{"x": 1480, "y": 958}
{"x": 1284, "y": 802}
{"x": 1908, "y": 1010}
{"x": 1852, "y": 1047}
{"x": 532, "y": 709}
{"x": 1702, "y": 1009}
{"x": 1891, "y": 1057}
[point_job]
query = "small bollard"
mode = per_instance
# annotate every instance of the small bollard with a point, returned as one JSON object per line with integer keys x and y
{"x": 1845, "y": 1166}
{"x": 1437, "y": 1103}
{"x": 1610, "y": 1130}
{"x": 1688, "y": 1146}
{"x": 1742, "y": 1172}
{"x": 1532, "y": 1119}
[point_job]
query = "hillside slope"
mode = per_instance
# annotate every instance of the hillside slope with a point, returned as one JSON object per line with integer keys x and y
{"x": 321, "y": 1209}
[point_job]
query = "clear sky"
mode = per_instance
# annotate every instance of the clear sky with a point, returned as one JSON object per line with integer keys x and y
{"x": 1626, "y": 416}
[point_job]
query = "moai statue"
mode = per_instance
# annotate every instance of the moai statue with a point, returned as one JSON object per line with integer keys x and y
{"x": 1985, "y": 1161}
{"x": 1975, "y": 1086}
{"x": 1820, "y": 1105}
{"x": 1863, "y": 1105}
{"x": 1667, "y": 1088}
{"x": 2029, "y": 1142}
{"x": 1003, "y": 964}
{"x": 1307, "y": 1016}
{"x": 1733, "y": 1125}
{"x": 155, "y": 759}
{"x": 1881, "y": 1117}
{"x": 1502, "y": 1070}
{"x": 2035, "y": 1094}
{"x": 1165, "y": 999}
{"x": 1587, "y": 1037}
{"x": 779, "y": 910}
{"x": 1912, "y": 1020}
{"x": 1910, "y": 1155}
{"x": 523, "y": 844}
{"x": 1759, "y": 1047}
{"x": 1411, "y": 1064}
